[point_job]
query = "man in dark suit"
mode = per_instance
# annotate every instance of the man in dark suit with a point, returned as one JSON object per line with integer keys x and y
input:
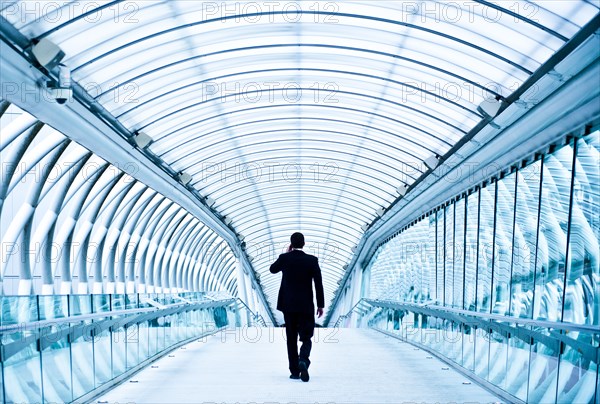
{"x": 296, "y": 302}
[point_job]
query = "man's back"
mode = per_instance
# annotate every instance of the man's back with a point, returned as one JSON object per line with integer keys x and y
{"x": 298, "y": 272}
{"x": 295, "y": 300}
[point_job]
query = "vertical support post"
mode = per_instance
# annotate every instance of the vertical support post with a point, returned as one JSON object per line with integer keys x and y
{"x": 241, "y": 281}
{"x": 242, "y": 293}
{"x": 356, "y": 292}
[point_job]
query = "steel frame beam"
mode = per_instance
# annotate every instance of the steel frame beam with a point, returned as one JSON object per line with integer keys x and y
{"x": 86, "y": 124}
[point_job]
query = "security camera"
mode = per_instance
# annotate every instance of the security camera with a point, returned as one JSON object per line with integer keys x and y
{"x": 60, "y": 90}
{"x": 61, "y": 95}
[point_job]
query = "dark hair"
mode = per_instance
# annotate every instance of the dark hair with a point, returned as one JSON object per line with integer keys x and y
{"x": 297, "y": 240}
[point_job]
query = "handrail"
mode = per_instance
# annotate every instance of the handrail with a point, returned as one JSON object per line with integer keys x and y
{"x": 564, "y": 326}
{"x": 79, "y": 318}
{"x": 498, "y": 323}
{"x": 20, "y": 327}
{"x": 256, "y": 316}
{"x": 345, "y": 316}
{"x": 76, "y": 319}
{"x": 43, "y": 334}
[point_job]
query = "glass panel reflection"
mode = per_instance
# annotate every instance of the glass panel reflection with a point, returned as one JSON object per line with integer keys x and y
{"x": 583, "y": 267}
{"x": 81, "y": 354}
{"x": 525, "y": 240}
{"x": 530, "y": 245}
{"x": 503, "y": 244}
{"x": 486, "y": 247}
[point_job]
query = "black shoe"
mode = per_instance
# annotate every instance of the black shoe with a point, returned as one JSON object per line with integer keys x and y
{"x": 294, "y": 377}
{"x": 303, "y": 371}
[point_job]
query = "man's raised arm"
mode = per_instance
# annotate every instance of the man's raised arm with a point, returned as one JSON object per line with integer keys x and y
{"x": 276, "y": 266}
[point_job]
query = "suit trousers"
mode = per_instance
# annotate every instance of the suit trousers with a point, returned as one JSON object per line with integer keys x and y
{"x": 298, "y": 325}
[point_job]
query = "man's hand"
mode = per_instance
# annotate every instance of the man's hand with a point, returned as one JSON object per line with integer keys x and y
{"x": 320, "y": 312}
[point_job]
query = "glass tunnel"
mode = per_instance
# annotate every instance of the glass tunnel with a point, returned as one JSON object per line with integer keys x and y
{"x": 441, "y": 158}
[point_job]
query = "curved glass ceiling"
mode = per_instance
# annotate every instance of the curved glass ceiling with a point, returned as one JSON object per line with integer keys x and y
{"x": 302, "y": 116}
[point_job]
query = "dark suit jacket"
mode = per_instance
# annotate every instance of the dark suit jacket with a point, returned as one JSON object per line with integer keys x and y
{"x": 296, "y": 293}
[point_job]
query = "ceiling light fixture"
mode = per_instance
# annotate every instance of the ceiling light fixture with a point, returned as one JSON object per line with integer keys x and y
{"x": 402, "y": 189}
{"x": 432, "y": 162}
{"x": 184, "y": 178}
{"x": 490, "y": 106}
{"x": 142, "y": 140}
{"x": 47, "y": 53}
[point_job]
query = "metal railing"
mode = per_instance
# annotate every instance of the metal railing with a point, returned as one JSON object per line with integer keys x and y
{"x": 257, "y": 318}
{"x": 521, "y": 360}
{"x": 71, "y": 348}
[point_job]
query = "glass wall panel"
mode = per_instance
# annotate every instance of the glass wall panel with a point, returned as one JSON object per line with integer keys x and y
{"x": 102, "y": 342}
{"x": 498, "y": 358}
{"x": 453, "y": 341}
{"x": 430, "y": 228}
{"x": 119, "y": 351}
{"x": 459, "y": 254}
{"x": 577, "y": 373}
{"x": 56, "y": 369}
{"x": 525, "y": 240}
{"x": 82, "y": 360}
{"x": 503, "y": 242}
{"x": 132, "y": 348}
{"x": 486, "y": 244}
{"x": 449, "y": 255}
{"x": 517, "y": 371}
{"x": 143, "y": 339}
{"x": 51, "y": 307}
{"x": 482, "y": 352}
{"x": 417, "y": 261}
{"x": 406, "y": 283}
{"x": 468, "y": 348}
{"x": 102, "y": 358}
{"x": 552, "y": 235}
{"x": 582, "y": 295}
{"x": 153, "y": 337}
{"x": 161, "y": 333}
{"x": 577, "y": 369}
{"x": 2, "y": 398}
{"x": 543, "y": 371}
{"x": 19, "y": 309}
{"x": 22, "y": 371}
{"x": 118, "y": 302}
{"x": 82, "y": 354}
{"x": 440, "y": 257}
{"x": 471, "y": 250}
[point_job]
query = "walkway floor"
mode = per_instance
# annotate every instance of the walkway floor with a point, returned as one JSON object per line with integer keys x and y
{"x": 250, "y": 365}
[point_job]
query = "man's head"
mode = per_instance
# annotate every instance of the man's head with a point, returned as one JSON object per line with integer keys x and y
{"x": 297, "y": 240}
